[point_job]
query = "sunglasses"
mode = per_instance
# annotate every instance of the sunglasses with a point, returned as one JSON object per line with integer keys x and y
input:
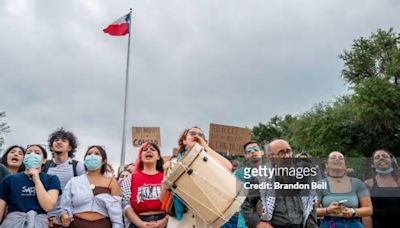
{"x": 252, "y": 149}
{"x": 194, "y": 133}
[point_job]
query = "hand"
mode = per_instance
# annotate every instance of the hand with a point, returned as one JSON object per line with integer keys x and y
{"x": 263, "y": 224}
{"x": 333, "y": 209}
{"x": 167, "y": 165}
{"x": 34, "y": 173}
{"x": 65, "y": 220}
{"x": 143, "y": 224}
{"x": 347, "y": 212}
{"x": 51, "y": 221}
{"x": 162, "y": 223}
{"x": 200, "y": 141}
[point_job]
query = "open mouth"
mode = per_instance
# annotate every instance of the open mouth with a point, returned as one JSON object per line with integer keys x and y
{"x": 148, "y": 156}
{"x": 382, "y": 162}
{"x": 14, "y": 159}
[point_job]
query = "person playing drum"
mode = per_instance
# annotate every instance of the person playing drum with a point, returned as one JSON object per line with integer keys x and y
{"x": 186, "y": 217}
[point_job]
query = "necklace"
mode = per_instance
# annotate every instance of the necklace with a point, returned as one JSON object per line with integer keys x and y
{"x": 337, "y": 178}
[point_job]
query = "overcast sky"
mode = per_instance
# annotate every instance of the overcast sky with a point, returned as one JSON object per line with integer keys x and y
{"x": 232, "y": 62}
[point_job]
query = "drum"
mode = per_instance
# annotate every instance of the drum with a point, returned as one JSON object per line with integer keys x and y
{"x": 206, "y": 187}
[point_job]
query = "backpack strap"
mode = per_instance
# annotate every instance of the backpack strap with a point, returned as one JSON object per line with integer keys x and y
{"x": 74, "y": 164}
{"x": 47, "y": 165}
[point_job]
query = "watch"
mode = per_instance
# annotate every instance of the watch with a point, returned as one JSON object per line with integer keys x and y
{"x": 353, "y": 212}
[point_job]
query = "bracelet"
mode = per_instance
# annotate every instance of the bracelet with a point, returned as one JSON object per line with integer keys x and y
{"x": 326, "y": 211}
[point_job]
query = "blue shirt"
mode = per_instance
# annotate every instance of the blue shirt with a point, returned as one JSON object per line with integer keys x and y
{"x": 19, "y": 191}
{"x": 358, "y": 190}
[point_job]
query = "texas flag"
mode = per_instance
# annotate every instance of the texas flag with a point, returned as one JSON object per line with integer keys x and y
{"x": 119, "y": 27}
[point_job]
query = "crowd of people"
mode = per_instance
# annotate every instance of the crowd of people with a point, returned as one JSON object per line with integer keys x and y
{"x": 37, "y": 192}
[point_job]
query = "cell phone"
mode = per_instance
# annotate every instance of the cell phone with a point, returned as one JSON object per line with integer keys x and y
{"x": 342, "y": 203}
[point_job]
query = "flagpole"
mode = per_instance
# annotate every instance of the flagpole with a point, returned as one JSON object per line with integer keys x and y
{"x": 126, "y": 93}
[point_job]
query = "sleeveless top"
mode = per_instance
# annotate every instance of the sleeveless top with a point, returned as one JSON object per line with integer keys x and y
{"x": 386, "y": 201}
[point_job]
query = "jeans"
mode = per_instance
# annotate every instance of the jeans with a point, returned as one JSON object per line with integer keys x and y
{"x": 337, "y": 222}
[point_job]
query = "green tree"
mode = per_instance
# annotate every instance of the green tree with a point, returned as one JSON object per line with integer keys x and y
{"x": 374, "y": 56}
{"x": 276, "y": 128}
{"x": 376, "y": 106}
{"x": 356, "y": 124}
{"x": 327, "y": 128}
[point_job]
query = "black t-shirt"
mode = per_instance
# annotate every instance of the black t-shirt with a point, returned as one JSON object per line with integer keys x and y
{"x": 19, "y": 191}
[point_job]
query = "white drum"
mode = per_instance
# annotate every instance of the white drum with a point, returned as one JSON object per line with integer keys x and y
{"x": 205, "y": 186}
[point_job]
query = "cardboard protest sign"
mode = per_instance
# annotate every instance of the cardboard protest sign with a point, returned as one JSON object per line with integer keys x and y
{"x": 141, "y": 135}
{"x": 228, "y": 139}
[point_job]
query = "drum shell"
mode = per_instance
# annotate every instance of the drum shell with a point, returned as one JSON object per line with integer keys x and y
{"x": 206, "y": 187}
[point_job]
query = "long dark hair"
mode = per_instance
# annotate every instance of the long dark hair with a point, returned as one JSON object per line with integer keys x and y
{"x": 139, "y": 163}
{"x": 396, "y": 172}
{"x": 3, "y": 159}
{"x": 103, "y": 157}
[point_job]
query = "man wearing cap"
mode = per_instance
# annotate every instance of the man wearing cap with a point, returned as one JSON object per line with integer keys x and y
{"x": 279, "y": 210}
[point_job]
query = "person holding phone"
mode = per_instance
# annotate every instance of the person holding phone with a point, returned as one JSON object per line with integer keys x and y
{"x": 345, "y": 200}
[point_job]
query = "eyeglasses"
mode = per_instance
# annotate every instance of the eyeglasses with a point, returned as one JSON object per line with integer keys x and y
{"x": 194, "y": 133}
{"x": 252, "y": 149}
{"x": 283, "y": 152}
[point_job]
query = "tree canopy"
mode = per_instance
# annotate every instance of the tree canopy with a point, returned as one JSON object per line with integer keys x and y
{"x": 355, "y": 124}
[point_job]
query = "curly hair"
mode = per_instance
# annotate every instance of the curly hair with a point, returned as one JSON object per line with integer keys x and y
{"x": 61, "y": 133}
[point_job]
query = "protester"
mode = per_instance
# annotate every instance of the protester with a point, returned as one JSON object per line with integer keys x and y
{"x": 279, "y": 210}
{"x": 385, "y": 190}
{"x": 253, "y": 155}
{"x": 12, "y": 159}
{"x": 253, "y": 158}
{"x": 345, "y": 200}
{"x": 130, "y": 167}
{"x": 142, "y": 205}
{"x": 185, "y": 217}
{"x": 92, "y": 199}
{"x": 122, "y": 175}
{"x": 29, "y": 194}
{"x": 235, "y": 165}
{"x": 63, "y": 146}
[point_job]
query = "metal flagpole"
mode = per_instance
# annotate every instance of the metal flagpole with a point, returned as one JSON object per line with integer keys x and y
{"x": 126, "y": 93}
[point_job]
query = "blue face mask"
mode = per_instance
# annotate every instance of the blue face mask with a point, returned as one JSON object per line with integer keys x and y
{"x": 93, "y": 162}
{"x": 386, "y": 171}
{"x": 32, "y": 161}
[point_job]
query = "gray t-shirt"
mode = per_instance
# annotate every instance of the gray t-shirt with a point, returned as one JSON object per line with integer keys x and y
{"x": 64, "y": 172}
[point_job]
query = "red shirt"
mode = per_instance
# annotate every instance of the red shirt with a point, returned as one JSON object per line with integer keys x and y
{"x": 146, "y": 191}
